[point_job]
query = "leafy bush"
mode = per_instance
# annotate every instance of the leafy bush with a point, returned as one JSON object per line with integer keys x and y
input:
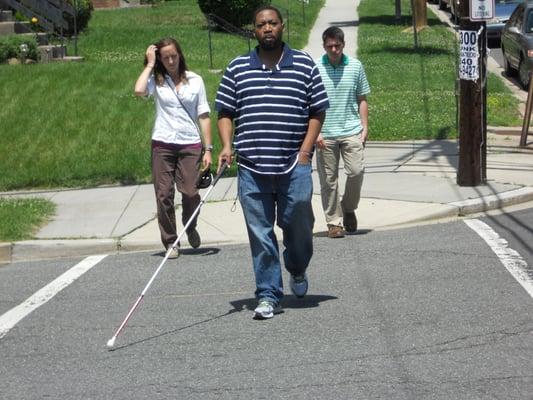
{"x": 84, "y": 9}
{"x": 10, "y": 47}
{"x": 236, "y": 12}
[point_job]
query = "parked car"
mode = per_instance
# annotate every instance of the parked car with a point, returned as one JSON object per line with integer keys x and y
{"x": 502, "y": 12}
{"x": 517, "y": 43}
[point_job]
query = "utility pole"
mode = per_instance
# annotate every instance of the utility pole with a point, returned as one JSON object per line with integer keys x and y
{"x": 472, "y": 169}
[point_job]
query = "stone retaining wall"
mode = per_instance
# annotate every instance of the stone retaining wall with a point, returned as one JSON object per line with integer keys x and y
{"x": 114, "y": 3}
{"x": 105, "y": 3}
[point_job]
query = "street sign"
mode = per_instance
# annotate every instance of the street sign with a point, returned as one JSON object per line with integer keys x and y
{"x": 481, "y": 10}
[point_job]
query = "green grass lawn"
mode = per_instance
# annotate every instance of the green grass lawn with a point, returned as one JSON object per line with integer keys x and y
{"x": 413, "y": 90}
{"x": 21, "y": 217}
{"x": 79, "y": 124}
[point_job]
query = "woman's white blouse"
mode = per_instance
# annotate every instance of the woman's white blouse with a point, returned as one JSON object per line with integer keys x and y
{"x": 172, "y": 124}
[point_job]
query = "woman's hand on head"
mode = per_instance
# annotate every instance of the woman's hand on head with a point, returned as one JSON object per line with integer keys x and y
{"x": 151, "y": 54}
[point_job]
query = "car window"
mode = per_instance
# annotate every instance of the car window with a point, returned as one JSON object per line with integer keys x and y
{"x": 514, "y": 16}
{"x": 519, "y": 22}
{"x": 529, "y": 26}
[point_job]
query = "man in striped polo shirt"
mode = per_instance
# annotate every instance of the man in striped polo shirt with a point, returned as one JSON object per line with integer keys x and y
{"x": 275, "y": 98}
{"x": 343, "y": 134}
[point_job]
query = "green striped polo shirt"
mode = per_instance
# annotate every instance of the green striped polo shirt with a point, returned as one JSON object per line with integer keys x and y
{"x": 343, "y": 84}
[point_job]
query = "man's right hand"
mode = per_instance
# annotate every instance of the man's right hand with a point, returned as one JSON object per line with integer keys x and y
{"x": 320, "y": 143}
{"x": 224, "y": 157}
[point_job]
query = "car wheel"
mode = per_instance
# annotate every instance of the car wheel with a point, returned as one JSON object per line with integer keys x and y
{"x": 523, "y": 74}
{"x": 442, "y": 5}
{"x": 509, "y": 71}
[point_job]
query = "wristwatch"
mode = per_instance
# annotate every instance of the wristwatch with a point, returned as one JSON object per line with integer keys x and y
{"x": 208, "y": 147}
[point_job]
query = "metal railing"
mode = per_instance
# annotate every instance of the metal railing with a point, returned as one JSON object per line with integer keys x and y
{"x": 49, "y": 13}
{"x": 215, "y": 22}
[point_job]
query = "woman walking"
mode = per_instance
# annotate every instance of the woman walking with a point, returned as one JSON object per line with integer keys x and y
{"x": 179, "y": 146}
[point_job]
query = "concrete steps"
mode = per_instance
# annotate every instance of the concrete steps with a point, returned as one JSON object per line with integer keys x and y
{"x": 47, "y": 52}
{"x": 14, "y": 27}
{"x": 6, "y": 16}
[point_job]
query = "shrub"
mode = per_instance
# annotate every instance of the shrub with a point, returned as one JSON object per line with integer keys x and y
{"x": 84, "y": 9}
{"x": 10, "y": 47}
{"x": 236, "y": 12}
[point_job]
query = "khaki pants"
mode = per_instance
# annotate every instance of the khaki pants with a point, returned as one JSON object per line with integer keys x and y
{"x": 181, "y": 168}
{"x": 350, "y": 149}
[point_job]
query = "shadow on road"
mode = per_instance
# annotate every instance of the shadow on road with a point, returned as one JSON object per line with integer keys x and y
{"x": 248, "y": 304}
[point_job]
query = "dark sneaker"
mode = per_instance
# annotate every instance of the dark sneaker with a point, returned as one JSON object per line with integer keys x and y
{"x": 335, "y": 231}
{"x": 266, "y": 309}
{"x": 299, "y": 285}
{"x": 350, "y": 222}
{"x": 194, "y": 238}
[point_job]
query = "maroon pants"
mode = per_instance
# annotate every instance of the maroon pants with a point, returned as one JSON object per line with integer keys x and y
{"x": 180, "y": 168}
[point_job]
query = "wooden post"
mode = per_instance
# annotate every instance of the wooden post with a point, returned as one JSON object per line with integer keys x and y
{"x": 413, "y": 21}
{"x": 421, "y": 14}
{"x": 527, "y": 115}
{"x": 472, "y": 104}
{"x": 398, "y": 11}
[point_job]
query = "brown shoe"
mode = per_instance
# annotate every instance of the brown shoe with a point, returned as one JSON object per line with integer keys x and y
{"x": 350, "y": 222}
{"x": 335, "y": 231}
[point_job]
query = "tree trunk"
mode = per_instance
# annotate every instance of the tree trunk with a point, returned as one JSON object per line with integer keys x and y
{"x": 420, "y": 13}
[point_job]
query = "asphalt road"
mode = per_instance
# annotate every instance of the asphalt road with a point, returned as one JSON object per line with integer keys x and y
{"x": 428, "y": 312}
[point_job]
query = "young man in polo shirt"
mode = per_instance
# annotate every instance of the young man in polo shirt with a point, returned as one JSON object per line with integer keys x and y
{"x": 343, "y": 134}
{"x": 275, "y": 97}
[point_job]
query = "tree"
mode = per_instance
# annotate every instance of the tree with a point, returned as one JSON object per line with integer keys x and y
{"x": 420, "y": 14}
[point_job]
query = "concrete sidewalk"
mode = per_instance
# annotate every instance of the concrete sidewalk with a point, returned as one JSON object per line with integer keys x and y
{"x": 405, "y": 183}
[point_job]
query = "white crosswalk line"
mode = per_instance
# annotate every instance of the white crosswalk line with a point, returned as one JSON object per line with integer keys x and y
{"x": 13, "y": 316}
{"x": 510, "y": 258}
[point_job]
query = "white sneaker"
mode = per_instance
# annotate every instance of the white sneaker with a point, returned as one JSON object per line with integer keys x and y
{"x": 174, "y": 252}
{"x": 266, "y": 310}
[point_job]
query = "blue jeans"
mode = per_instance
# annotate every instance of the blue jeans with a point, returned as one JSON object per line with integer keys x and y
{"x": 286, "y": 200}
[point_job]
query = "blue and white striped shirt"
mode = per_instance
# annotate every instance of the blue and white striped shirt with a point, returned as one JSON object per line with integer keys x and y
{"x": 271, "y": 108}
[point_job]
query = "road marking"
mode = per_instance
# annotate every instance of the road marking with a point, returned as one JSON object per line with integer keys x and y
{"x": 13, "y": 316}
{"x": 510, "y": 258}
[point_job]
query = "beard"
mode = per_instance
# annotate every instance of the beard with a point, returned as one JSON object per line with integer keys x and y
{"x": 270, "y": 43}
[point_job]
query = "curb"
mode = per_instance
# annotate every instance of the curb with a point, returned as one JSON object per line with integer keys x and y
{"x": 494, "y": 202}
{"x": 32, "y": 250}
{"x": 6, "y": 250}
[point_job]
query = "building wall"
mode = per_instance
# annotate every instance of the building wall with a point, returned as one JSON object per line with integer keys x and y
{"x": 105, "y": 3}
